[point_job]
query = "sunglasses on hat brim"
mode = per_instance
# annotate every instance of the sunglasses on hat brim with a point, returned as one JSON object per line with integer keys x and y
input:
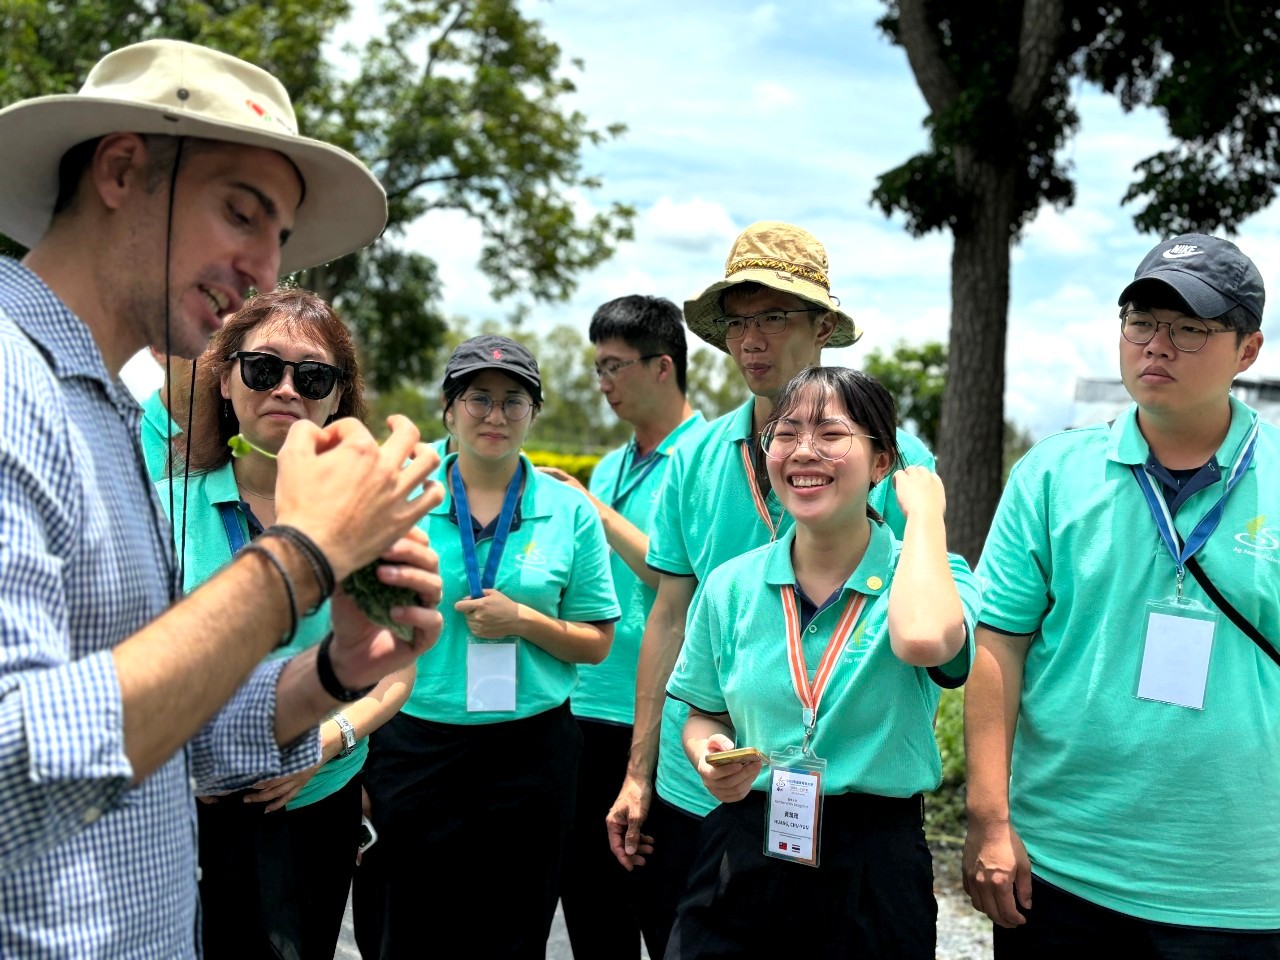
{"x": 264, "y": 371}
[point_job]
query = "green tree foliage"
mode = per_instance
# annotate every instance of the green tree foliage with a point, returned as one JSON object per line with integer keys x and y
{"x": 715, "y": 384}
{"x": 997, "y": 80}
{"x": 455, "y": 105}
{"x": 915, "y": 376}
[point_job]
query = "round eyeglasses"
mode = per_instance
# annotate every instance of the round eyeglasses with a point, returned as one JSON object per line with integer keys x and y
{"x": 1188, "y": 334}
{"x": 829, "y": 440}
{"x": 513, "y": 408}
{"x": 770, "y": 323}
{"x": 264, "y": 371}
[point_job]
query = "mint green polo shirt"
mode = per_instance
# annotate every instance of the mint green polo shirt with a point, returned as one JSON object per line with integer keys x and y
{"x": 875, "y": 720}
{"x": 208, "y": 551}
{"x": 706, "y": 515}
{"x": 1153, "y": 810}
{"x": 157, "y": 427}
{"x": 607, "y": 691}
{"x": 556, "y": 562}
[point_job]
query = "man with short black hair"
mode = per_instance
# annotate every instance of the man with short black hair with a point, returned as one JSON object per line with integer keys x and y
{"x": 189, "y": 179}
{"x": 640, "y": 363}
{"x": 1123, "y": 717}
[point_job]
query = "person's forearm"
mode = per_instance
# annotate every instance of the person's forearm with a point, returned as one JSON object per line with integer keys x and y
{"x": 926, "y": 617}
{"x": 698, "y": 729}
{"x": 177, "y": 671}
{"x": 567, "y": 640}
{"x": 628, "y": 542}
{"x": 369, "y": 713}
{"x": 991, "y": 701}
{"x": 659, "y": 650}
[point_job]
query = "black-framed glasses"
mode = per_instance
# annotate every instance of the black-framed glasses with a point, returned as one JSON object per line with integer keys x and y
{"x": 830, "y": 439}
{"x": 264, "y": 371}
{"x": 1188, "y": 334}
{"x": 770, "y": 323}
{"x": 609, "y": 370}
{"x": 513, "y": 408}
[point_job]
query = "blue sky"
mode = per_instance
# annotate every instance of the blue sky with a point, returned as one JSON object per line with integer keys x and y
{"x": 738, "y": 112}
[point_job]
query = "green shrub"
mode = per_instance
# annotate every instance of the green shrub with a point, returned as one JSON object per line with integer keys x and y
{"x": 578, "y": 465}
{"x": 944, "y": 809}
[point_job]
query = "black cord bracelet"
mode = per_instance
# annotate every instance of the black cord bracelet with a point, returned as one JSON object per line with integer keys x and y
{"x": 329, "y": 680}
{"x": 256, "y": 547}
{"x": 319, "y": 563}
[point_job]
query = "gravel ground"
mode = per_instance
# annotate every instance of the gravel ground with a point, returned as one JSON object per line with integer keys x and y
{"x": 963, "y": 933}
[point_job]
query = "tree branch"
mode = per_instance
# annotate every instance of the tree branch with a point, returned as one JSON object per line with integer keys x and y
{"x": 926, "y": 55}
{"x": 1042, "y": 24}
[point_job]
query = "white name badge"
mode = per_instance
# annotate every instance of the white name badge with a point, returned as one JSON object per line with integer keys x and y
{"x": 491, "y": 677}
{"x": 793, "y": 815}
{"x": 1177, "y": 642}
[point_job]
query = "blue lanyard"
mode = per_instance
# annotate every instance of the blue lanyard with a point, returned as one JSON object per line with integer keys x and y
{"x": 231, "y": 523}
{"x": 1164, "y": 520}
{"x": 619, "y": 495}
{"x": 477, "y": 583}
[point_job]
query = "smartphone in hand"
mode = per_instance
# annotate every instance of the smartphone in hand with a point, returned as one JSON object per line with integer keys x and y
{"x": 740, "y": 755}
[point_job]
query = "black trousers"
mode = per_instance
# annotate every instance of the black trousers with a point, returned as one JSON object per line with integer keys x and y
{"x": 665, "y": 876}
{"x": 871, "y": 895}
{"x": 472, "y": 825}
{"x": 274, "y": 886}
{"x": 1062, "y": 925}
{"x": 600, "y": 898}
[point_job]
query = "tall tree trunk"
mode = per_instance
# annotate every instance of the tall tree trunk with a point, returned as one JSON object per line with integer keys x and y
{"x": 971, "y": 442}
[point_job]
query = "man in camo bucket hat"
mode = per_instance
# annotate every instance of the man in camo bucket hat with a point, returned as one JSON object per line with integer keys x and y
{"x": 773, "y": 312}
{"x": 781, "y": 257}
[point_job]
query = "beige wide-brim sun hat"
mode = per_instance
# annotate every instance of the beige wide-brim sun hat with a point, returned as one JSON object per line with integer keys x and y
{"x": 180, "y": 89}
{"x": 779, "y": 256}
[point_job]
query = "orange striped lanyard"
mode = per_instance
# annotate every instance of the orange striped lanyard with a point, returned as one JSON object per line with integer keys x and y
{"x": 755, "y": 492}
{"x": 810, "y": 695}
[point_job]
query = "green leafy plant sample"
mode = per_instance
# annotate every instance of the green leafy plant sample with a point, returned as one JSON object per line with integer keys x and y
{"x": 374, "y": 598}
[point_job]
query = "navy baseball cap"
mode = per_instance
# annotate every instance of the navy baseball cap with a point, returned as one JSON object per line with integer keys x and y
{"x": 491, "y": 352}
{"x": 1209, "y": 273}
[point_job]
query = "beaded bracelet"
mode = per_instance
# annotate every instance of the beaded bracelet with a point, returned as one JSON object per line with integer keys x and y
{"x": 319, "y": 563}
{"x": 256, "y": 547}
{"x": 329, "y": 680}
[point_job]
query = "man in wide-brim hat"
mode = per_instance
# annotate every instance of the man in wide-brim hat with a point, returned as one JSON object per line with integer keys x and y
{"x": 152, "y": 201}
{"x": 773, "y": 312}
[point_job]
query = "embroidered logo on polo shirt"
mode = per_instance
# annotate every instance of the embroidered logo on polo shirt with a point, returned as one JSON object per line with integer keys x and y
{"x": 531, "y": 556}
{"x": 1257, "y": 536}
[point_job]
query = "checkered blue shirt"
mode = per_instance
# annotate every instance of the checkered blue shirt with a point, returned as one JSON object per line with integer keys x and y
{"x": 89, "y": 866}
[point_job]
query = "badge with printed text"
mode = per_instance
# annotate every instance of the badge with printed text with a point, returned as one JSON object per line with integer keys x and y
{"x": 491, "y": 676}
{"x": 1177, "y": 640}
{"x": 793, "y": 812}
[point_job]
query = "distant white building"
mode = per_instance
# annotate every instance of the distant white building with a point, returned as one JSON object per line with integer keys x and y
{"x": 1102, "y": 399}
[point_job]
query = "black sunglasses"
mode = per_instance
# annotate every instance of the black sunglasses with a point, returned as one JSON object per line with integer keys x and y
{"x": 311, "y": 378}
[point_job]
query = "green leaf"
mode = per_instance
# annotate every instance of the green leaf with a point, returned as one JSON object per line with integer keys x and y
{"x": 375, "y": 598}
{"x": 240, "y": 447}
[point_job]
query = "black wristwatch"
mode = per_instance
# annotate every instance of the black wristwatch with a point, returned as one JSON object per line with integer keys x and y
{"x": 329, "y": 680}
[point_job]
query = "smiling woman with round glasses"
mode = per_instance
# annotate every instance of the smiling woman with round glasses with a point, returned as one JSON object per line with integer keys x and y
{"x": 826, "y": 650}
{"x": 277, "y": 859}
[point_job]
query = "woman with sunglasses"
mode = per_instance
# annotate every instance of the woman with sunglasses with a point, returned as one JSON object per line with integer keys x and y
{"x": 827, "y": 651}
{"x": 276, "y": 861}
{"x": 474, "y": 780}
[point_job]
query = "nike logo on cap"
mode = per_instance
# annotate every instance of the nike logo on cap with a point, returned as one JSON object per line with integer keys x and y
{"x": 1180, "y": 251}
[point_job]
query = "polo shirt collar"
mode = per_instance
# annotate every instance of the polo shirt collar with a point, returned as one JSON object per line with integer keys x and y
{"x": 1127, "y": 445}
{"x": 220, "y": 485}
{"x": 740, "y": 427}
{"x": 672, "y": 438}
{"x": 870, "y": 577}
{"x": 537, "y": 501}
